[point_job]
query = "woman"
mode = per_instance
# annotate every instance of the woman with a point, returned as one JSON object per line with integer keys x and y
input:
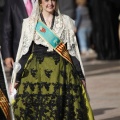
{"x": 50, "y": 87}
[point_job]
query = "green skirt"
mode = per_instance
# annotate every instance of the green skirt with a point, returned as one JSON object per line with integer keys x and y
{"x": 50, "y": 89}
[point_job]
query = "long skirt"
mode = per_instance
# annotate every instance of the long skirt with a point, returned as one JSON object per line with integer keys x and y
{"x": 50, "y": 89}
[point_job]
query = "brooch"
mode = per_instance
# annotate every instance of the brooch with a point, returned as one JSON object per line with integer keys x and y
{"x": 42, "y": 29}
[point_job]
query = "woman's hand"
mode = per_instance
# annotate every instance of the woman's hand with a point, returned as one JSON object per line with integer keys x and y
{"x": 75, "y": 30}
{"x": 15, "y": 86}
{"x": 84, "y": 83}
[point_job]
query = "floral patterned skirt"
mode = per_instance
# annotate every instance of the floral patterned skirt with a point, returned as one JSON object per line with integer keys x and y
{"x": 50, "y": 89}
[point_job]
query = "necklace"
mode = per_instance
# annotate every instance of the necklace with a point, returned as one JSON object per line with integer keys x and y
{"x": 53, "y": 19}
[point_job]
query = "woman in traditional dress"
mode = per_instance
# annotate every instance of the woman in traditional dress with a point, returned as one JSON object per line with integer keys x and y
{"x": 51, "y": 80}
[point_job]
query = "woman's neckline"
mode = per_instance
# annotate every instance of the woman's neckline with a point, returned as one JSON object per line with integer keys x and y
{"x": 43, "y": 20}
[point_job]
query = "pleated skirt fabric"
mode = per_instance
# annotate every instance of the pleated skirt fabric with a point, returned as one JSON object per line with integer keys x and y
{"x": 50, "y": 89}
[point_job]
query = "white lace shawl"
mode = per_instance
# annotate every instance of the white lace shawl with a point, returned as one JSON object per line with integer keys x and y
{"x": 63, "y": 28}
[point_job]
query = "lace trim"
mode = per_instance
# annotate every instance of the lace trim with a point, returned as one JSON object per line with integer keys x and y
{"x": 39, "y": 105}
{"x": 62, "y": 28}
{"x": 62, "y": 32}
{"x": 57, "y": 29}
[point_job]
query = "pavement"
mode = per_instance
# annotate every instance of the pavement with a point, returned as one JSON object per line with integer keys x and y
{"x": 103, "y": 86}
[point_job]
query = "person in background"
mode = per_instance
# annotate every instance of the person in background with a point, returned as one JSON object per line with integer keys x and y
{"x": 2, "y": 3}
{"x": 13, "y": 15}
{"x": 104, "y": 15}
{"x": 67, "y": 7}
{"x": 84, "y": 26}
{"x": 52, "y": 83}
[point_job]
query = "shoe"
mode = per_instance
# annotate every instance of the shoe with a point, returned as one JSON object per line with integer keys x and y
{"x": 90, "y": 51}
{"x": 84, "y": 53}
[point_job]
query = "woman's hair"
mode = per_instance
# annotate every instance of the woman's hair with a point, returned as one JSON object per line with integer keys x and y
{"x": 81, "y": 2}
{"x": 40, "y": 1}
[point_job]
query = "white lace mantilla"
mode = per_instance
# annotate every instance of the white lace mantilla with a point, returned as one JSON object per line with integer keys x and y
{"x": 62, "y": 28}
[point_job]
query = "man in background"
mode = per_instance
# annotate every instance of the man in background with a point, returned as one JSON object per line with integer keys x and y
{"x": 104, "y": 14}
{"x": 2, "y": 2}
{"x": 14, "y": 13}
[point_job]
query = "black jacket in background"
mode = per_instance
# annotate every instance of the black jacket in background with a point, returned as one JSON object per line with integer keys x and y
{"x": 14, "y": 13}
{"x": 2, "y": 3}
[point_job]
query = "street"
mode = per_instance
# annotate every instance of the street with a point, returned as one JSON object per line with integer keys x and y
{"x": 103, "y": 85}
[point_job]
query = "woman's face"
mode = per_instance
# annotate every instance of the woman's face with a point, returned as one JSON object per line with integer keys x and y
{"x": 48, "y": 5}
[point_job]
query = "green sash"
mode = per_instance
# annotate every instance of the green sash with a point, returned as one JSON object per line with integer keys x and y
{"x": 47, "y": 34}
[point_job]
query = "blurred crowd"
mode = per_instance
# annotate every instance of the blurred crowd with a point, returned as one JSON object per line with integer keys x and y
{"x": 96, "y": 23}
{"x": 96, "y": 26}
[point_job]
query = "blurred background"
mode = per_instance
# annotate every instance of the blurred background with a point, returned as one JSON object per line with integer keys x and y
{"x": 98, "y": 33}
